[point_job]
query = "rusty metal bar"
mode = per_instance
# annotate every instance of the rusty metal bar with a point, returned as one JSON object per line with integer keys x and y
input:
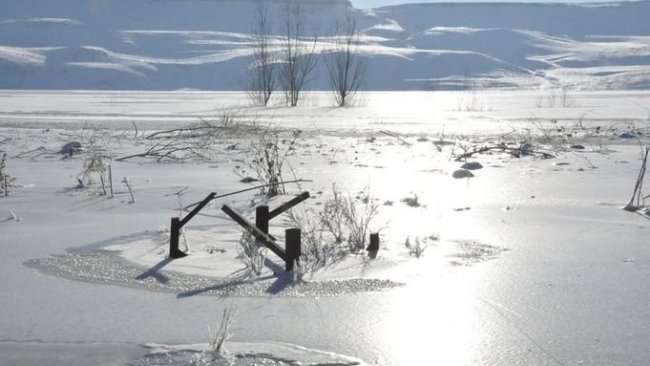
{"x": 257, "y": 233}
{"x": 288, "y": 205}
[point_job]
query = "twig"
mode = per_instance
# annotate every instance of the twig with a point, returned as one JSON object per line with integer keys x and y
{"x": 177, "y": 130}
{"x": 135, "y": 127}
{"x": 245, "y": 190}
{"x": 101, "y": 178}
{"x": 152, "y": 151}
{"x": 13, "y": 216}
{"x": 517, "y": 152}
{"x": 128, "y": 185}
{"x": 387, "y": 133}
{"x": 40, "y": 149}
{"x": 637, "y": 195}
{"x": 110, "y": 180}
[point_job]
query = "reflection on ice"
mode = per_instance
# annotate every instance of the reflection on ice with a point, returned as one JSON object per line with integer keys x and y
{"x": 433, "y": 322}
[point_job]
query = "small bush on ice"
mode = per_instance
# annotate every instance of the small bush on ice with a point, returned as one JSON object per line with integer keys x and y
{"x": 270, "y": 155}
{"x": 358, "y": 219}
{"x": 316, "y": 252}
{"x": 342, "y": 227}
{"x": 344, "y": 218}
{"x": 333, "y": 216}
{"x": 251, "y": 254}
{"x": 5, "y": 178}
{"x": 417, "y": 249}
{"x": 217, "y": 339}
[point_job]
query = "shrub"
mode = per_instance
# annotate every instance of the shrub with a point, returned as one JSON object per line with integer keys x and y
{"x": 251, "y": 254}
{"x": 5, "y": 178}
{"x": 358, "y": 219}
{"x": 270, "y": 154}
{"x": 215, "y": 351}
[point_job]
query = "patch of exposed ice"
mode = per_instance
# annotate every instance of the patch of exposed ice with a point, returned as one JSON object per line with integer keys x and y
{"x": 108, "y": 268}
{"x": 244, "y": 353}
{"x": 471, "y": 252}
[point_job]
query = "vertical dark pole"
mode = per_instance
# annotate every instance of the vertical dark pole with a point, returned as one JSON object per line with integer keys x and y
{"x": 262, "y": 220}
{"x": 110, "y": 179}
{"x": 6, "y": 187}
{"x": 292, "y": 248}
{"x": 174, "y": 236}
{"x": 374, "y": 243}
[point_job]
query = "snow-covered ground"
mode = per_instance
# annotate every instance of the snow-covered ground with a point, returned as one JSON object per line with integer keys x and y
{"x": 531, "y": 261}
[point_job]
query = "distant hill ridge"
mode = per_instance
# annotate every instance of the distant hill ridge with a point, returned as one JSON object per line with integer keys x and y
{"x": 205, "y": 44}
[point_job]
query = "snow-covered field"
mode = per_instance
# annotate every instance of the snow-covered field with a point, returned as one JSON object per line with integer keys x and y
{"x": 529, "y": 262}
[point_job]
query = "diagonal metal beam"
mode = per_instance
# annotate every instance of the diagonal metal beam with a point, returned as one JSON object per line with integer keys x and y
{"x": 288, "y": 205}
{"x": 198, "y": 208}
{"x": 257, "y": 233}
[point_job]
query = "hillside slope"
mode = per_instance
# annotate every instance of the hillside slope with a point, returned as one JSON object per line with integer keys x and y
{"x": 205, "y": 44}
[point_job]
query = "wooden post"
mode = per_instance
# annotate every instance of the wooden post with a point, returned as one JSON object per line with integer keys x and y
{"x": 110, "y": 180}
{"x": 374, "y": 243}
{"x": 262, "y": 222}
{"x": 126, "y": 181}
{"x": 266, "y": 239}
{"x": 292, "y": 248}
{"x": 101, "y": 178}
{"x": 288, "y": 205}
{"x": 262, "y": 219}
{"x": 177, "y": 225}
{"x": 174, "y": 236}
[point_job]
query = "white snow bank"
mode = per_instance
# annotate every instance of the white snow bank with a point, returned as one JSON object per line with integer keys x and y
{"x": 106, "y": 66}
{"x": 22, "y": 56}
{"x": 566, "y": 49}
{"x": 62, "y": 21}
{"x": 390, "y": 26}
{"x": 433, "y": 31}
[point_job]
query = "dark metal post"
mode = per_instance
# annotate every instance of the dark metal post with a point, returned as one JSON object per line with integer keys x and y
{"x": 265, "y": 239}
{"x": 292, "y": 248}
{"x": 262, "y": 218}
{"x": 174, "y": 236}
{"x": 262, "y": 221}
{"x": 177, "y": 224}
{"x": 374, "y": 243}
{"x": 288, "y": 205}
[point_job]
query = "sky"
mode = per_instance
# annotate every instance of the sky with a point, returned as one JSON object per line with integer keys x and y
{"x": 363, "y": 4}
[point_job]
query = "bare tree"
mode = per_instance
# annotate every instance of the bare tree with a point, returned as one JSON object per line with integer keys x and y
{"x": 346, "y": 69}
{"x": 262, "y": 68}
{"x": 300, "y": 58}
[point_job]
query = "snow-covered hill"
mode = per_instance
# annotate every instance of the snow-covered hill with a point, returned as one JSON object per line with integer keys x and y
{"x": 205, "y": 44}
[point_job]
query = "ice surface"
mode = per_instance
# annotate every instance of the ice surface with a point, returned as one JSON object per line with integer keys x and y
{"x": 108, "y": 269}
{"x": 552, "y": 269}
{"x": 246, "y": 353}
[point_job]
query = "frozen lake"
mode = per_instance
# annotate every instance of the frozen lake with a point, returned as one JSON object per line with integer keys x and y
{"x": 535, "y": 262}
